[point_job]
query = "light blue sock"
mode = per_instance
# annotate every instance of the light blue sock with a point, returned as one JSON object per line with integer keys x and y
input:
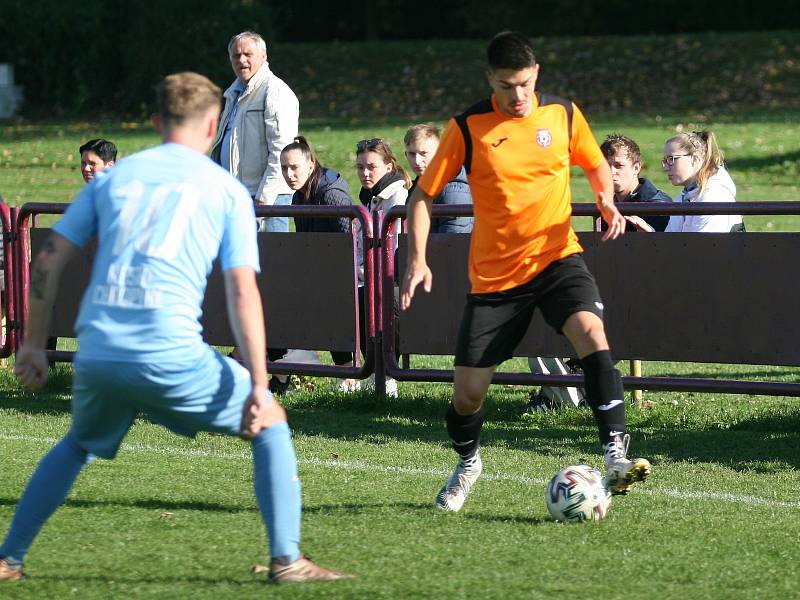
{"x": 46, "y": 491}
{"x": 277, "y": 489}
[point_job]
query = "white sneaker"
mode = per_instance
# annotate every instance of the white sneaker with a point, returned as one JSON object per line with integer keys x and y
{"x": 559, "y": 396}
{"x": 391, "y": 385}
{"x": 622, "y": 473}
{"x": 452, "y": 496}
{"x": 345, "y": 386}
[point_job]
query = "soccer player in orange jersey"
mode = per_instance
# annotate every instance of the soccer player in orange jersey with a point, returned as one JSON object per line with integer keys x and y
{"x": 517, "y": 148}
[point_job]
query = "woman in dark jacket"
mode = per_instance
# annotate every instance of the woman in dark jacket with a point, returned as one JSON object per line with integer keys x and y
{"x": 314, "y": 184}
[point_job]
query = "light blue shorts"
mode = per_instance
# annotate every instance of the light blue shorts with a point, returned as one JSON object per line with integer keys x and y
{"x": 107, "y": 396}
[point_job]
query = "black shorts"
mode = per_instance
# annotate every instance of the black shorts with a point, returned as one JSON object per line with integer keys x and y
{"x": 493, "y": 324}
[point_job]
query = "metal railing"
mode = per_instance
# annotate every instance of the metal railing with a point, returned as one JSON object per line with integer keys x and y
{"x": 687, "y": 384}
{"x": 360, "y": 369}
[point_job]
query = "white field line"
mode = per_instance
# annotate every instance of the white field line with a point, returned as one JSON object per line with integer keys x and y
{"x": 438, "y": 473}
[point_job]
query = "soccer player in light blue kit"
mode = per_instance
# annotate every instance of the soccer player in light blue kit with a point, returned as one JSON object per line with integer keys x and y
{"x": 161, "y": 217}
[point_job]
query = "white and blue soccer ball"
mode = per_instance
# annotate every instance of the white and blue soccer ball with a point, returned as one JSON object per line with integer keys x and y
{"x": 577, "y": 493}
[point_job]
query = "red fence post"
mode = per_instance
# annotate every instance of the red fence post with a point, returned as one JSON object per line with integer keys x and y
{"x": 8, "y": 215}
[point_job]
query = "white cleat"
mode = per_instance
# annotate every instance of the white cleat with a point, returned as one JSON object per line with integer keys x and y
{"x": 621, "y": 472}
{"x": 452, "y": 496}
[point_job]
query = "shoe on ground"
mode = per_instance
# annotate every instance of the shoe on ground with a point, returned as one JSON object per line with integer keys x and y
{"x": 621, "y": 472}
{"x": 281, "y": 388}
{"x": 9, "y": 573}
{"x": 304, "y": 570}
{"x": 538, "y": 402}
{"x": 455, "y": 491}
{"x": 344, "y": 386}
{"x": 391, "y": 386}
{"x": 563, "y": 396}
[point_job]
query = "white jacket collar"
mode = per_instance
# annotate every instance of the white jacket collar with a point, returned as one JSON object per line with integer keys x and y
{"x": 391, "y": 189}
{"x": 255, "y": 81}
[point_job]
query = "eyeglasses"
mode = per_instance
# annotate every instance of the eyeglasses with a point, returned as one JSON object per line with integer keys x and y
{"x": 670, "y": 159}
{"x": 370, "y": 143}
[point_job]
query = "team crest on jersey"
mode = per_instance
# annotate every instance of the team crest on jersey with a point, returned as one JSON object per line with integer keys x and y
{"x": 543, "y": 137}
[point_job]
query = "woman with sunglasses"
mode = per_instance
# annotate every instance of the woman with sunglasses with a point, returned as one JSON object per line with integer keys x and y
{"x": 384, "y": 184}
{"x": 693, "y": 160}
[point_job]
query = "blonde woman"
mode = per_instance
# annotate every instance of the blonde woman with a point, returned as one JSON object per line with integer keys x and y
{"x": 694, "y": 161}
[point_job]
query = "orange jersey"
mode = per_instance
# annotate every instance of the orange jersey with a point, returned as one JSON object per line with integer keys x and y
{"x": 518, "y": 171}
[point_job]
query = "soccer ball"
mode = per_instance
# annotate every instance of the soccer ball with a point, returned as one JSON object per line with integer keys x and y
{"x": 577, "y": 493}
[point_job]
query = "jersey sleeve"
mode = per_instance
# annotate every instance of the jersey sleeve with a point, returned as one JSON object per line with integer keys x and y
{"x": 79, "y": 223}
{"x": 239, "y": 246}
{"x": 585, "y": 152}
{"x": 446, "y": 163}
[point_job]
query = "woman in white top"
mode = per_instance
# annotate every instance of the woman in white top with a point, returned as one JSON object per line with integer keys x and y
{"x": 693, "y": 160}
{"x": 384, "y": 184}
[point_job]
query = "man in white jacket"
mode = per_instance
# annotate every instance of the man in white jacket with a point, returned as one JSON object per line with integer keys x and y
{"x": 260, "y": 117}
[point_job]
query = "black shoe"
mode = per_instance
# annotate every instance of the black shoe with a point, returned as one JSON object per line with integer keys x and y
{"x": 538, "y": 402}
{"x": 281, "y": 388}
{"x": 574, "y": 367}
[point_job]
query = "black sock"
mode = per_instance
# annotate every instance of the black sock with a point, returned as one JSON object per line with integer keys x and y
{"x": 604, "y": 394}
{"x": 465, "y": 431}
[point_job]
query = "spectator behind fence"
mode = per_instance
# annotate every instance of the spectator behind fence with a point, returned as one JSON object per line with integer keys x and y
{"x": 421, "y": 142}
{"x": 384, "y": 184}
{"x": 259, "y": 119}
{"x": 96, "y": 155}
{"x": 625, "y": 159}
{"x": 316, "y": 185}
{"x": 693, "y": 160}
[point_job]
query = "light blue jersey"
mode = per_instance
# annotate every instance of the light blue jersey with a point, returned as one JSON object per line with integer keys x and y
{"x": 161, "y": 217}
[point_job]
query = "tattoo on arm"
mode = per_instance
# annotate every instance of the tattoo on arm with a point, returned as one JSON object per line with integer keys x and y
{"x": 38, "y": 282}
{"x": 39, "y": 274}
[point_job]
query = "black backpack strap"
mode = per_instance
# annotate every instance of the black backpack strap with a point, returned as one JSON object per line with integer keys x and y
{"x": 484, "y": 106}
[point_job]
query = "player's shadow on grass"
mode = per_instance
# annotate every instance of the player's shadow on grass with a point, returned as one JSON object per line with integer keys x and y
{"x": 154, "y": 504}
{"x": 515, "y": 520}
{"x": 212, "y": 581}
{"x": 422, "y": 507}
{"x": 168, "y": 506}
